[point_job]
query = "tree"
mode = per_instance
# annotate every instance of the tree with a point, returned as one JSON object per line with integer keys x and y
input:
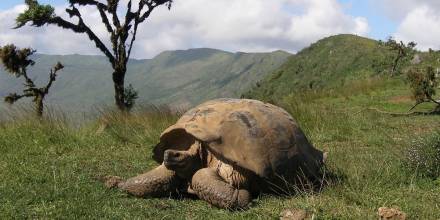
{"x": 16, "y": 61}
{"x": 122, "y": 28}
{"x": 402, "y": 51}
{"x": 424, "y": 83}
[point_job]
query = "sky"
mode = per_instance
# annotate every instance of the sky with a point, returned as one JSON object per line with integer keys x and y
{"x": 239, "y": 25}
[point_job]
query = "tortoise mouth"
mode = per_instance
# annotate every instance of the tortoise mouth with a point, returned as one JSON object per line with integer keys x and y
{"x": 174, "y": 159}
{"x": 184, "y": 163}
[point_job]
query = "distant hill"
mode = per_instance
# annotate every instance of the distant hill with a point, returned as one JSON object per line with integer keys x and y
{"x": 330, "y": 62}
{"x": 183, "y": 77}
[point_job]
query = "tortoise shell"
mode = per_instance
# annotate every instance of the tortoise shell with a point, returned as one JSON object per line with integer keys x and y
{"x": 253, "y": 135}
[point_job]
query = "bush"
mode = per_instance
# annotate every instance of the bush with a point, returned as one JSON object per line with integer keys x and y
{"x": 424, "y": 156}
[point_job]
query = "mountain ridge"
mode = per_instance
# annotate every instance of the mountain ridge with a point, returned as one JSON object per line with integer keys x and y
{"x": 180, "y": 78}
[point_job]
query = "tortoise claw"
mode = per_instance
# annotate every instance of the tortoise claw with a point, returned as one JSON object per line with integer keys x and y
{"x": 189, "y": 190}
{"x": 111, "y": 182}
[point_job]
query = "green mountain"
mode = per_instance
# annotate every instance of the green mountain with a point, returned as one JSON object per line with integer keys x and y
{"x": 183, "y": 77}
{"x": 330, "y": 62}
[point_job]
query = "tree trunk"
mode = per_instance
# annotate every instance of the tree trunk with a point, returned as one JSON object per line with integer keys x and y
{"x": 437, "y": 109}
{"x": 394, "y": 67}
{"x": 39, "y": 105}
{"x": 118, "y": 81}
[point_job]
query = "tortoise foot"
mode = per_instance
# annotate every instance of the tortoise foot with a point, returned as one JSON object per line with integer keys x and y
{"x": 209, "y": 186}
{"x": 159, "y": 182}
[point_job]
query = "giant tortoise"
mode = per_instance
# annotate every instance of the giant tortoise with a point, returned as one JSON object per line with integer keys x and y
{"x": 226, "y": 151}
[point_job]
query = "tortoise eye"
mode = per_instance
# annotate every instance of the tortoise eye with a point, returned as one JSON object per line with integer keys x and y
{"x": 172, "y": 153}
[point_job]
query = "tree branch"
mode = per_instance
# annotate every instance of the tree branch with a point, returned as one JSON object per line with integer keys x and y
{"x": 102, "y": 8}
{"x": 112, "y": 9}
{"x": 136, "y": 24}
{"x": 86, "y": 2}
{"x": 66, "y": 24}
{"x": 417, "y": 104}
{"x": 429, "y": 97}
{"x": 29, "y": 82}
{"x": 81, "y": 27}
{"x": 402, "y": 114}
{"x": 104, "y": 19}
{"x": 133, "y": 38}
{"x": 146, "y": 14}
{"x": 129, "y": 16}
{"x": 141, "y": 17}
{"x": 13, "y": 97}
{"x": 435, "y": 101}
{"x": 52, "y": 77}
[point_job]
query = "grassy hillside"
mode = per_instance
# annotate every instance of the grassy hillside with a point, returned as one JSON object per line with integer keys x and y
{"x": 177, "y": 77}
{"x": 335, "y": 62}
{"x": 330, "y": 62}
{"x": 50, "y": 170}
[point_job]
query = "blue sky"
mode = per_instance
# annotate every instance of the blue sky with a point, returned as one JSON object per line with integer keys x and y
{"x": 5, "y": 4}
{"x": 381, "y": 26}
{"x": 287, "y": 25}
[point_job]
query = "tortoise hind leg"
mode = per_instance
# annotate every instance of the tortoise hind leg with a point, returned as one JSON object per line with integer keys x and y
{"x": 158, "y": 182}
{"x": 209, "y": 186}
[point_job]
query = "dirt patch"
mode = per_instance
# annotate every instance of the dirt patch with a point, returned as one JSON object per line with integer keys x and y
{"x": 400, "y": 99}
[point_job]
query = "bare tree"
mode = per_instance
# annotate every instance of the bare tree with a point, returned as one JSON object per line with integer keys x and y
{"x": 122, "y": 28}
{"x": 401, "y": 50}
{"x": 16, "y": 61}
{"x": 424, "y": 83}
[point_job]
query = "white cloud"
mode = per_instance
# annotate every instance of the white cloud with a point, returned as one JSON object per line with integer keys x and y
{"x": 323, "y": 18}
{"x": 418, "y": 20}
{"x": 49, "y": 39}
{"x": 235, "y": 25}
{"x": 6, "y": 34}
{"x": 421, "y": 25}
{"x": 399, "y": 9}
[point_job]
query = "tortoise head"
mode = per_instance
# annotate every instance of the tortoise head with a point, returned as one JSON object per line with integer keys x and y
{"x": 184, "y": 162}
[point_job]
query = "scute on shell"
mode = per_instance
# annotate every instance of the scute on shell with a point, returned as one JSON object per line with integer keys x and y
{"x": 257, "y": 136}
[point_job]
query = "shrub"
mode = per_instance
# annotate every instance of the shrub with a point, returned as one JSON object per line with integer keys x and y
{"x": 423, "y": 157}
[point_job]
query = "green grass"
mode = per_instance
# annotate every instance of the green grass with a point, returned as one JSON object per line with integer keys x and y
{"x": 49, "y": 169}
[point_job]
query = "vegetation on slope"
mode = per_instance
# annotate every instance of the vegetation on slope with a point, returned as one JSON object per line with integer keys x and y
{"x": 329, "y": 63}
{"x": 50, "y": 170}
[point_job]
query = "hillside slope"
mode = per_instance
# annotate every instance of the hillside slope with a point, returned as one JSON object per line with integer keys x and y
{"x": 184, "y": 77}
{"x": 330, "y": 62}
{"x": 51, "y": 171}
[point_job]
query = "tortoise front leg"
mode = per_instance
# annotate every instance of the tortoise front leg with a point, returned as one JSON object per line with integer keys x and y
{"x": 158, "y": 182}
{"x": 209, "y": 186}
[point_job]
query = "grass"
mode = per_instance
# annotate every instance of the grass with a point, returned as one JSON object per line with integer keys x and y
{"x": 49, "y": 169}
{"x": 424, "y": 156}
